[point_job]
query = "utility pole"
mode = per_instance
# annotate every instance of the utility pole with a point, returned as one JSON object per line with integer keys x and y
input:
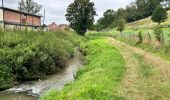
{"x": 3, "y": 15}
{"x": 44, "y": 20}
{"x": 2, "y": 3}
{"x": 32, "y": 18}
{"x": 20, "y": 16}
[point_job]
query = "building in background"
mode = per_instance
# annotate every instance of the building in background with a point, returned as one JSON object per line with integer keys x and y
{"x": 54, "y": 27}
{"x": 11, "y": 18}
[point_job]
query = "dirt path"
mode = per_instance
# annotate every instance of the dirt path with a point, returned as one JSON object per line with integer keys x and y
{"x": 137, "y": 87}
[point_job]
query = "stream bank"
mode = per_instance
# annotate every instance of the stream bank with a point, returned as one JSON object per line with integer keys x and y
{"x": 34, "y": 89}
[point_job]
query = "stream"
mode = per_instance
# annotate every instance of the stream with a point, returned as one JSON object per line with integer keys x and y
{"x": 34, "y": 89}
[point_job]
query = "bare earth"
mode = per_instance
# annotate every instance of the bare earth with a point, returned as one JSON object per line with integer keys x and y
{"x": 134, "y": 85}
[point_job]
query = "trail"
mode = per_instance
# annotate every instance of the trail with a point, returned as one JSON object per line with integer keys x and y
{"x": 136, "y": 87}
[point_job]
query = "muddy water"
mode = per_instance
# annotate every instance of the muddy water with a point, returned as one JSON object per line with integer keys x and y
{"x": 32, "y": 90}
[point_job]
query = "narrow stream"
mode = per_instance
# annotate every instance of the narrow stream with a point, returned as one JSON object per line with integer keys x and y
{"x": 33, "y": 90}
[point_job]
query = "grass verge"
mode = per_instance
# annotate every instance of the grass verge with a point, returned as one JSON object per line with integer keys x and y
{"x": 99, "y": 79}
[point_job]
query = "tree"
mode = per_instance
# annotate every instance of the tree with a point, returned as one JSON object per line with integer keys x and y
{"x": 159, "y": 15}
{"x": 120, "y": 24}
{"x": 107, "y": 19}
{"x": 29, "y": 6}
{"x": 131, "y": 12}
{"x": 81, "y": 14}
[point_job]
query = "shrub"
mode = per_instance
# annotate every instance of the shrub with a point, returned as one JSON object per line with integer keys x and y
{"x": 140, "y": 37}
{"x": 31, "y": 55}
{"x": 158, "y": 33}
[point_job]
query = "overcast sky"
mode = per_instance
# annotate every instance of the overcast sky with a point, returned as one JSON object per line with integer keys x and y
{"x": 56, "y": 9}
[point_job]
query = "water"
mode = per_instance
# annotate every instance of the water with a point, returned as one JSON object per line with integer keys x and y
{"x": 32, "y": 90}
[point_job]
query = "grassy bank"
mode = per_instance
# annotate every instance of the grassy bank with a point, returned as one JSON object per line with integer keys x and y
{"x": 149, "y": 42}
{"x": 99, "y": 78}
{"x": 31, "y": 55}
{"x": 130, "y": 36}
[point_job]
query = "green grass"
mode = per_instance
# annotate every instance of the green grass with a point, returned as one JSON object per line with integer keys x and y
{"x": 130, "y": 37}
{"x": 99, "y": 79}
{"x": 145, "y": 69}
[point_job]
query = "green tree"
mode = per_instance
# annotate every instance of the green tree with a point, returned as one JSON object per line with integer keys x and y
{"x": 159, "y": 15}
{"x": 81, "y": 14}
{"x": 29, "y": 6}
{"x": 107, "y": 19}
{"x": 120, "y": 24}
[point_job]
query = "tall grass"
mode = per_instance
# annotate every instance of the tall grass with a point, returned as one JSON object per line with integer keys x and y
{"x": 149, "y": 42}
{"x": 31, "y": 55}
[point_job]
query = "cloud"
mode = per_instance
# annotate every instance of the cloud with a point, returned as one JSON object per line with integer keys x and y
{"x": 56, "y": 9}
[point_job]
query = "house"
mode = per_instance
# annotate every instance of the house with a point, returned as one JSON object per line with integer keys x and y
{"x": 54, "y": 27}
{"x": 10, "y": 18}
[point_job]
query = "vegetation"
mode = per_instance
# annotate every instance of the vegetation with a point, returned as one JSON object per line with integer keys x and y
{"x": 159, "y": 15}
{"x": 135, "y": 11}
{"x": 29, "y": 6}
{"x": 149, "y": 41}
{"x": 120, "y": 25}
{"x": 31, "y": 55}
{"x": 99, "y": 78}
{"x": 106, "y": 21}
{"x": 158, "y": 33}
{"x": 80, "y": 14}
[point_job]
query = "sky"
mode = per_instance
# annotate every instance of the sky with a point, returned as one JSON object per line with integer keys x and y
{"x": 56, "y": 9}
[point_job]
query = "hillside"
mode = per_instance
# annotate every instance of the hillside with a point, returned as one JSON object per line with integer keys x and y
{"x": 147, "y": 23}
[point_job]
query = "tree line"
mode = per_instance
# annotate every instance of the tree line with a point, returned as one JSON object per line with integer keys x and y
{"x": 134, "y": 11}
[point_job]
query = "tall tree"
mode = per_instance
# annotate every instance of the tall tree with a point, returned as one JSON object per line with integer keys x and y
{"x": 81, "y": 14}
{"x": 29, "y": 6}
{"x": 150, "y": 6}
{"x": 131, "y": 12}
{"x": 159, "y": 15}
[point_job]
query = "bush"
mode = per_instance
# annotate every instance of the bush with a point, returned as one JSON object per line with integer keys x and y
{"x": 31, "y": 55}
{"x": 158, "y": 33}
{"x": 140, "y": 37}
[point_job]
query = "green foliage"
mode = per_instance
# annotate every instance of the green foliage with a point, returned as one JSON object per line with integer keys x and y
{"x": 80, "y": 14}
{"x": 31, "y": 55}
{"x": 29, "y": 6}
{"x": 99, "y": 78}
{"x": 120, "y": 24}
{"x": 134, "y": 11}
{"x": 140, "y": 37}
{"x": 107, "y": 19}
{"x": 158, "y": 33}
{"x": 159, "y": 15}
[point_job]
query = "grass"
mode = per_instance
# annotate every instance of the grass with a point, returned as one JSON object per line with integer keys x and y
{"x": 147, "y": 23}
{"x": 150, "y": 84}
{"x": 99, "y": 79}
{"x": 130, "y": 37}
{"x": 145, "y": 69}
